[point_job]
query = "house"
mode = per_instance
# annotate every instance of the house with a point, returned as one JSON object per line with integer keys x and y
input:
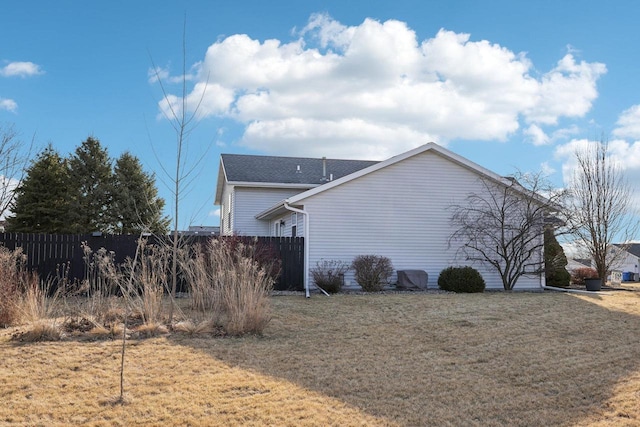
{"x": 202, "y": 230}
{"x": 577, "y": 263}
{"x": 399, "y": 208}
{"x": 628, "y": 263}
{"x": 250, "y": 184}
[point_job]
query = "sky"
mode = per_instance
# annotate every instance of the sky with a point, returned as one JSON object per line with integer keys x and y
{"x": 511, "y": 85}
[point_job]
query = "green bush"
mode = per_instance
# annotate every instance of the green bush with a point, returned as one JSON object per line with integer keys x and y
{"x": 461, "y": 279}
{"x": 560, "y": 278}
{"x": 555, "y": 261}
{"x": 372, "y": 272}
{"x": 329, "y": 274}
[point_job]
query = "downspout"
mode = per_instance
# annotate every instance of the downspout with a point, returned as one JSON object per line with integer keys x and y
{"x": 306, "y": 244}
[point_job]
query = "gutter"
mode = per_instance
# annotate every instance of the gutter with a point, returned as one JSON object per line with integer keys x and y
{"x": 306, "y": 243}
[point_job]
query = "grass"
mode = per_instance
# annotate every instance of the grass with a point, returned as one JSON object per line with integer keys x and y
{"x": 489, "y": 359}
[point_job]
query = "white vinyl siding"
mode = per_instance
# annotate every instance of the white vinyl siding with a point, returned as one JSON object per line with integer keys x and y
{"x": 249, "y": 201}
{"x": 226, "y": 211}
{"x": 401, "y": 212}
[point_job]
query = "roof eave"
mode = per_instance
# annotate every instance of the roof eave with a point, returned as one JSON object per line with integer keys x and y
{"x": 222, "y": 178}
{"x": 273, "y": 211}
{"x": 256, "y": 184}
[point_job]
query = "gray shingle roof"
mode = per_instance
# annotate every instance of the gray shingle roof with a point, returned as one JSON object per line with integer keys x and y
{"x": 634, "y": 248}
{"x": 284, "y": 170}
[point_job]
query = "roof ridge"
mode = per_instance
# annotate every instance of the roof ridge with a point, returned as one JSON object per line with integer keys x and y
{"x": 296, "y": 157}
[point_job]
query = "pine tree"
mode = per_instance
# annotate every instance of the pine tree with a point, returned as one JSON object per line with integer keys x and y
{"x": 555, "y": 261}
{"x": 136, "y": 203}
{"x": 92, "y": 188}
{"x": 41, "y": 204}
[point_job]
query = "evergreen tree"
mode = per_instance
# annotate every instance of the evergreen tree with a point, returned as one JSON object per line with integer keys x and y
{"x": 555, "y": 261}
{"x": 84, "y": 193}
{"x": 136, "y": 203}
{"x": 41, "y": 202}
{"x": 92, "y": 188}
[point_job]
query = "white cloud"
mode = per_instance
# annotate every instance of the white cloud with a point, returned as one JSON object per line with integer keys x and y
{"x": 564, "y": 133}
{"x": 629, "y": 123}
{"x": 157, "y": 74}
{"x": 568, "y": 90}
{"x": 536, "y": 135}
{"x": 308, "y": 137}
{"x": 379, "y": 88}
{"x": 21, "y": 69}
{"x": 215, "y": 213}
{"x": 624, "y": 154}
{"x": 162, "y": 74}
{"x": 17, "y": 69}
{"x": 566, "y": 153}
{"x": 547, "y": 169}
{"x": 8, "y": 104}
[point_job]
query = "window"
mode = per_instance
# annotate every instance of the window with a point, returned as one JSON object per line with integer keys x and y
{"x": 294, "y": 224}
{"x": 278, "y": 228}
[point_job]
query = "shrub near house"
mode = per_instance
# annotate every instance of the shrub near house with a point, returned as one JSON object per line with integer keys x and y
{"x": 329, "y": 275}
{"x": 461, "y": 279}
{"x": 372, "y": 272}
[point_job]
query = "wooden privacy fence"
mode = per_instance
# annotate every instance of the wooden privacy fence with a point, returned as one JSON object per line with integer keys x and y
{"x": 48, "y": 254}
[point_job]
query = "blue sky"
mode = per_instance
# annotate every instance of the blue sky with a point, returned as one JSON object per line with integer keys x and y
{"x": 508, "y": 84}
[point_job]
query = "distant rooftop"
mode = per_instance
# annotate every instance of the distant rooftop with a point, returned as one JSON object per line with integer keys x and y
{"x": 201, "y": 230}
{"x": 633, "y": 248}
{"x": 288, "y": 170}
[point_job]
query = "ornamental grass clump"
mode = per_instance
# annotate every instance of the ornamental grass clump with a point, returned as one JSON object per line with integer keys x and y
{"x": 372, "y": 272}
{"x": 228, "y": 282}
{"x": 328, "y": 274}
{"x": 461, "y": 279}
{"x": 148, "y": 281}
{"x": 13, "y": 279}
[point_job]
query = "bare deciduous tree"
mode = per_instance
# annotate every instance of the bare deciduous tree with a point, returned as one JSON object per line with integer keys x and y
{"x": 502, "y": 225}
{"x": 183, "y": 119}
{"x": 14, "y": 159}
{"x": 601, "y": 206}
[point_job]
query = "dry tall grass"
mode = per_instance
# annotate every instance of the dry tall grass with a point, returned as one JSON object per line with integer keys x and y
{"x": 145, "y": 282}
{"x": 230, "y": 290}
{"x": 13, "y": 280}
{"x": 40, "y": 300}
{"x": 135, "y": 289}
{"x": 492, "y": 359}
{"x": 102, "y": 280}
{"x": 226, "y": 280}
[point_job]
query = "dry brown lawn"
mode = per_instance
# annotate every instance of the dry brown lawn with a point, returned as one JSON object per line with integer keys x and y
{"x": 492, "y": 359}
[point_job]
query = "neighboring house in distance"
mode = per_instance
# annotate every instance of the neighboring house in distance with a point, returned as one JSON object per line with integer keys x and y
{"x": 202, "y": 230}
{"x": 398, "y": 208}
{"x": 575, "y": 263}
{"x": 629, "y": 262}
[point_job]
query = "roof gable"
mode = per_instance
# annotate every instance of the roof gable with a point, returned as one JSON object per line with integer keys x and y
{"x": 429, "y": 147}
